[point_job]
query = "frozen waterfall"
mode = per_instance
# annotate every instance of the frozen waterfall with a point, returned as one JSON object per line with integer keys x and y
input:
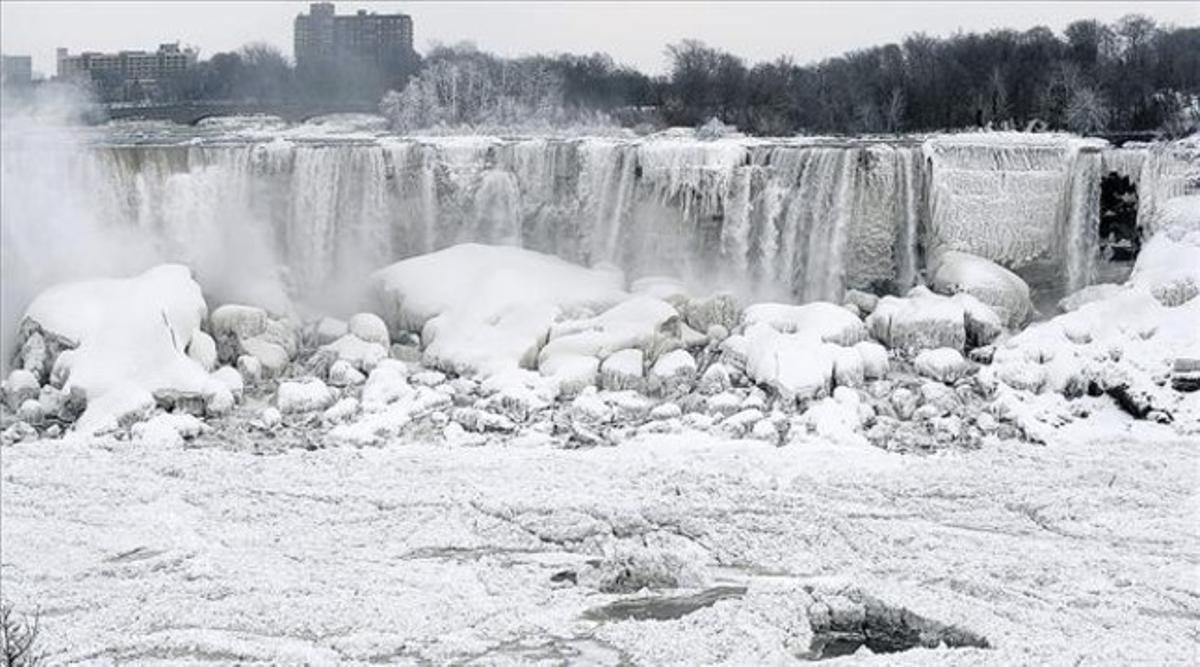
{"x": 796, "y": 219}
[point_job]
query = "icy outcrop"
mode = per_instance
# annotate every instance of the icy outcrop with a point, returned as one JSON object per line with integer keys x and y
{"x": 822, "y": 321}
{"x": 959, "y": 272}
{"x": 128, "y": 340}
{"x": 485, "y": 309}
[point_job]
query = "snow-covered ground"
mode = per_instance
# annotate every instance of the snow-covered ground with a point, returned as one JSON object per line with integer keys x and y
{"x": 1079, "y": 552}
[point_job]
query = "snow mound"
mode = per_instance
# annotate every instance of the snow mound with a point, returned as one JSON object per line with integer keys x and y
{"x": 820, "y": 320}
{"x": 129, "y": 339}
{"x": 1169, "y": 268}
{"x": 484, "y": 309}
{"x": 959, "y": 272}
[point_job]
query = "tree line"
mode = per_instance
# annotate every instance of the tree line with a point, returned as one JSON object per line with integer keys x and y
{"x": 1130, "y": 75}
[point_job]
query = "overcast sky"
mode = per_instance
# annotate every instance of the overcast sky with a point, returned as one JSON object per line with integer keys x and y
{"x": 633, "y": 33}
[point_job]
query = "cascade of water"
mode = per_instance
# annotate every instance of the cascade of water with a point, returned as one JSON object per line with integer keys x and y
{"x": 781, "y": 219}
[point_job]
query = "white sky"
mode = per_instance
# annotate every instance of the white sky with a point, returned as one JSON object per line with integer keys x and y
{"x": 632, "y": 32}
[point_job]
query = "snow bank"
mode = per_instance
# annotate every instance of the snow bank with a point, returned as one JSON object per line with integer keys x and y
{"x": 130, "y": 338}
{"x": 484, "y": 309}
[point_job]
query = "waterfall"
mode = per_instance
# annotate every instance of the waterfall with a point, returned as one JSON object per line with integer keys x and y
{"x": 796, "y": 219}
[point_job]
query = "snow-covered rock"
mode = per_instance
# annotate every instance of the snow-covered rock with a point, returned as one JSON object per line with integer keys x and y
{"x": 942, "y": 364}
{"x": 957, "y": 272}
{"x": 250, "y": 368}
{"x": 1169, "y": 268}
{"x": 386, "y": 383}
{"x": 822, "y": 321}
{"x": 130, "y": 337}
{"x": 361, "y": 354}
{"x": 167, "y": 430}
{"x": 231, "y": 379}
{"x": 343, "y": 374}
{"x": 488, "y": 308}
{"x": 863, "y": 301}
{"x": 716, "y": 378}
{"x": 720, "y": 309}
{"x": 305, "y": 395}
{"x": 572, "y": 372}
{"x": 635, "y": 322}
{"x": 921, "y": 321}
{"x": 20, "y": 386}
{"x": 848, "y": 367}
{"x": 874, "y": 359}
{"x": 370, "y": 328}
{"x": 272, "y": 358}
{"x": 623, "y": 370}
{"x": 203, "y": 349}
{"x": 795, "y": 366}
{"x": 672, "y": 373}
{"x": 240, "y": 322}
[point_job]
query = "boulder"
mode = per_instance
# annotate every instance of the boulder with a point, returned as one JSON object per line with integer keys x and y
{"x": 863, "y": 301}
{"x": 306, "y": 395}
{"x": 623, "y": 370}
{"x": 921, "y": 321}
{"x": 673, "y": 373}
{"x": 821, "y": 321}
{"x": 874, "y": 359}
{"x": 203, "y": 350}
{"x": 942, "y": 364}
{"x": 330, "y": 329}
{"x": 717, "y": 309}
{"x": 370, "y": 328}
{"x": 795, "y": 366}
{"x": 343, "y": 374}
{"x": 361, "y": 354}
{"x": 21, "y": 386}
{"x": 272, "y": 358}
{"x": 957, "y": 272}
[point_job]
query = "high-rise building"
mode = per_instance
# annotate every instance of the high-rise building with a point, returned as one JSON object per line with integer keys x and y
{"x": 142, "y": 66}
{"x": 323, "y": 37}
{"x": 16, "y": 70}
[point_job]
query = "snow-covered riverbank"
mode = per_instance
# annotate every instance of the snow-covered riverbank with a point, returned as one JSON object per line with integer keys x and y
{"x": 1083, "y": 550}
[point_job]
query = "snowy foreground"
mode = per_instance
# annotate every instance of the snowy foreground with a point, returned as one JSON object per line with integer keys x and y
{"x": 1079, "y": 552}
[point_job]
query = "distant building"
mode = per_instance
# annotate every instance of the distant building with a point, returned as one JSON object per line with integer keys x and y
{"x": 16, "y": 70}
{"x": 135, "y": 73}
{"x": 324, "y": 38}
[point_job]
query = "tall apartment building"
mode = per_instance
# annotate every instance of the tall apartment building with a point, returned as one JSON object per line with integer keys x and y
{"x": 324, "y": 37}
{"x": 141, "y": 67}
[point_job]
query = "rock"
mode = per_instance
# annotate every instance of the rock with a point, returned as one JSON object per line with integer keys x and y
{"x": 874, "y": 358}
{"x": 53, "y": 400}
{"x": 427, "y": 378}
{"x": 797, "y": 367}
{"x": 717, "y": 333}
{"x": 629, "y": 405}
{"x": 341, "y": 411}
{"x": 343, "y": 374}
{"x": 904, "y": 401}
{"x": 942, "y": 364}
{"x": 573, "y": 372}
{"x": 666, "y": 410}
{"x": 1005, "y": 292}
{"x": 716, "y": 379}
{"x": 273, "y": 358}
{"x": 718, "y": 309}
{"x": 982, "y": 324}
{"x": 361, "y": 354}
{"x": 862, "y": 300}
{"x": 853, "y": 310}
{"x": 270, "y": 417}
{"x": 590, "y": 408}
{"x": 21, "y": 386}
{"x": 821, "y": 321}
{"x": 848, "y": 368}
{"x": 923, "y": 321}
{"x": 982, "y": 355}
{"x": 250, "y": 368}
{"x": 330, "y": 329}
{"x": 386, "y": 384}
{"x": 31, "y": 412}
{"x": 724, "y": 404}
{"x": 203, "y": 350}
{"x": 1026, "y": 375}
{"x": 34, "y": 356}
{"x": 738, "y": 425}
{"x": 673, "y": 373}
{"x": 219, "y": 402}
{"x": 479, "y": 421}
{"x": 407, "y": 353}
{"x": 371, "y": 328}
{"x": 240, "y": 322}
{"x": 766, "y": 430}
{"x": 306, "y": 395}
{"x": 18, "y": 432}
